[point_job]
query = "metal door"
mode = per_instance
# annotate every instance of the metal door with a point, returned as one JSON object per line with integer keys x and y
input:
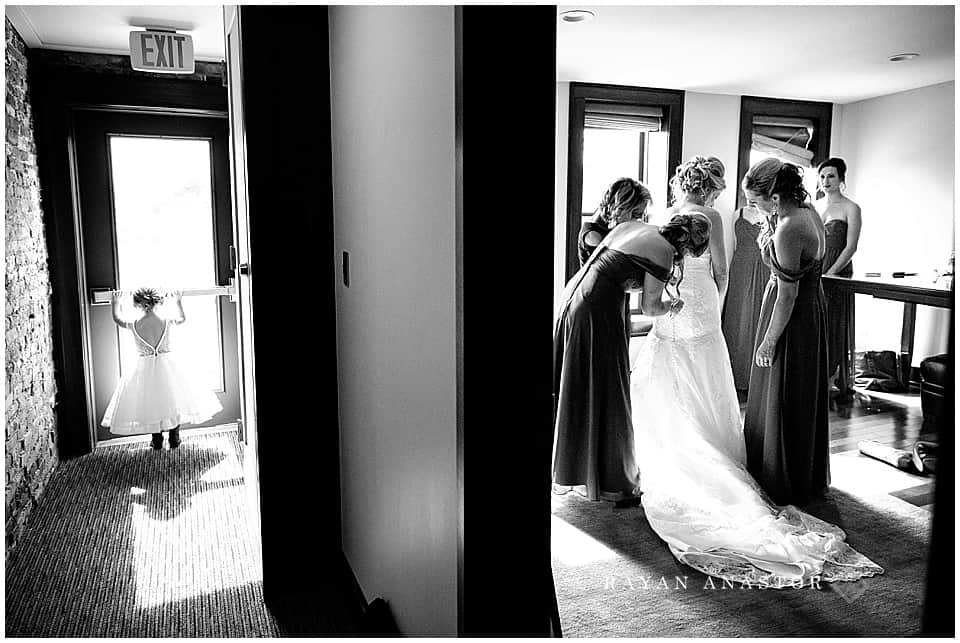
{"x": 154, "y": 197}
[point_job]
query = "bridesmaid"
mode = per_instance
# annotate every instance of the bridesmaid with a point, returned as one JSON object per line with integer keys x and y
{"x": 841, "y": 220}
{"x": 625, "y": 200}
{"x": 741, "y": 310}
{"x": 785, "y": 429}
{"x": 594, "y": 443}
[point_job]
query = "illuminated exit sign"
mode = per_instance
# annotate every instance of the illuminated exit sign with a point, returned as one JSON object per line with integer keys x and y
{"x": 166, "y": 52}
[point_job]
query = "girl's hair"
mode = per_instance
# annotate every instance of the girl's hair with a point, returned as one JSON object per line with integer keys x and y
{"x": 686, "y": 232}
{"x": 772, "y": 176}
{"x": 699, "y": 176}
{"x": 623, "y": 194}
{"x": 835, "y": 162}
{"x": 147, "y": 298}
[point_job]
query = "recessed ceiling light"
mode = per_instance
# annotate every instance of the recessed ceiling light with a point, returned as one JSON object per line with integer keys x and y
{"x": 576, "y": 15}
{"x": 899, "y": 57}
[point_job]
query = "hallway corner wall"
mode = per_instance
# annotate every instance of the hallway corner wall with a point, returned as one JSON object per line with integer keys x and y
{"x": 30, "y": 392}
{"x": 393, "y": 111}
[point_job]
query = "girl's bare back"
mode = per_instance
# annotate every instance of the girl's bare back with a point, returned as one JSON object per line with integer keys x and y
{"x": 150, "y": 328}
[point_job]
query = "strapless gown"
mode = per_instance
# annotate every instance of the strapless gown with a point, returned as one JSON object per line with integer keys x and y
{"x": 741, "y": 311}
{"x": 840, "y": 309}
{"x": 697, "y": 493}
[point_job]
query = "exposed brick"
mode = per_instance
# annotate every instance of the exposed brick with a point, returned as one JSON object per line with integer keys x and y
{"x": 31, "y": 454}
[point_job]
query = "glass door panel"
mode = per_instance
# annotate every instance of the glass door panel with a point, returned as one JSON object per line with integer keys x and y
{"x": 165, "y": 236}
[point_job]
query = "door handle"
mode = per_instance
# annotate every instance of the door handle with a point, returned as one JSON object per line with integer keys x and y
{"x": 244, "y": 268}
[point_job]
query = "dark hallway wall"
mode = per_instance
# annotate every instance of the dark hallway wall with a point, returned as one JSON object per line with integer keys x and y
{"x": 31, "y": 454}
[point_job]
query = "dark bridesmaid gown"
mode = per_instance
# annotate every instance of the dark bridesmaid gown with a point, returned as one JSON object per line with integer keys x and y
{"x": 594, "y": 430}
{"x": 840, "y": 340}
{"x": 584, "y": 249}
{"x": 785, "y": 428}
{"x": 748, "y": 277}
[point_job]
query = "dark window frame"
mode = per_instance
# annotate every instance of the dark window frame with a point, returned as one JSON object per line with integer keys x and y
{"x": 670, "y": 100}
{"x": 750, "y": 106}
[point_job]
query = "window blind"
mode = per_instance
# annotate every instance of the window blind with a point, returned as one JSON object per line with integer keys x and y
{"x": 603, "y": 115}
{"x": 787, "y": 138}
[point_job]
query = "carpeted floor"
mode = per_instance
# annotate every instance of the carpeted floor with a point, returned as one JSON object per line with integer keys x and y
{"x": 616, "y": 578}
{"x": 133, "y": 542}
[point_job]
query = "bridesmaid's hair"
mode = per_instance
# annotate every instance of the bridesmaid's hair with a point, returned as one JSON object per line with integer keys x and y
{"x": 699, "y": 176}
{"x": 837, "y": 163}
{"x": 146, "y": 298}
{"x": 624, "y": 194}
{"x": 772, "y": 176}
{"x": 686, "y": 232}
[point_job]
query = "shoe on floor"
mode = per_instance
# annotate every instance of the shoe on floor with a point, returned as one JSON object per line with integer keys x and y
{"x": 174, "y": 438}
{"x": 157, "y": 441}
{"x": 925, "y": 456}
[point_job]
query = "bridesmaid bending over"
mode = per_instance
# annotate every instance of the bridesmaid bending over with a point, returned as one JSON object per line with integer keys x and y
{"x": 594, "y": 443}
{"x": 785, "y": 428}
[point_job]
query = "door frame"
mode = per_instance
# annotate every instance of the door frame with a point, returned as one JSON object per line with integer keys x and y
{"x": 59, "y": 84}
{"x": 222, "y": 227}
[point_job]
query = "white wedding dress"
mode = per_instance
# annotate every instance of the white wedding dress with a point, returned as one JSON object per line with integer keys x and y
{"x": 697, "y": 494}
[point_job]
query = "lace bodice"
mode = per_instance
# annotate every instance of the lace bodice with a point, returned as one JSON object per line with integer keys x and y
{"x": 700, "y": 315}
{"x": 145, "y": 348}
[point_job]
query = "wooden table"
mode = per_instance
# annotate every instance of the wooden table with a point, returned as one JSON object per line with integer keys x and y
{"x": 910, "y": 290}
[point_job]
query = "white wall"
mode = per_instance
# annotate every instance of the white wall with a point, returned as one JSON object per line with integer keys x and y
{"x": 711, "y": 127}
{"x": 899, "y": 151}
{"x": 392, "y": 74}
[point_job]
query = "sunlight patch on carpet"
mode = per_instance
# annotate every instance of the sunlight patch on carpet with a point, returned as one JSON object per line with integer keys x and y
{"x": 572, "y": 547}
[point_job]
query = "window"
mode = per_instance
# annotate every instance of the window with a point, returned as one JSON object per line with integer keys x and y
{"x": 615, "y": 132}
{"x": 165, "y": 238}
{"x": 797, "y": 132}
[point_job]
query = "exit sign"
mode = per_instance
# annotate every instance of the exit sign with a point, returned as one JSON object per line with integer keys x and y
{"x": 166, "y": 52}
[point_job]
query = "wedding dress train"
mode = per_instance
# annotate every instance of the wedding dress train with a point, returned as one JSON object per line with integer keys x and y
{"x": 697, "y": 494}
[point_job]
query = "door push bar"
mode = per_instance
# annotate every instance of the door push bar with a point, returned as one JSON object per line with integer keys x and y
{"x": 101, "y": 296}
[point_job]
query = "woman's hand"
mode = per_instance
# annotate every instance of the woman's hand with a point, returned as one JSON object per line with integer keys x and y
{"x": 765, "y": 351}
{"x": 676, "y": 305}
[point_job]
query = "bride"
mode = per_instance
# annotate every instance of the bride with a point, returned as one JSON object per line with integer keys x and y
{"x": 697, "y": 493}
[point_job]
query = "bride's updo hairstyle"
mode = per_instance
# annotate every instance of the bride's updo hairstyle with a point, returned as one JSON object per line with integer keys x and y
{"x": 687, "y": 232}
{"x": 622, "y": 195}
{"x": 772, "y": 176}
{"x": 698, "y": 177}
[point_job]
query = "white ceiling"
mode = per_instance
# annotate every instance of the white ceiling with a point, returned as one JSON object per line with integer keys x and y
{"x": 813, "y": 52}
{"x": 106, "y": 29}
{"x": 830, "y": 53}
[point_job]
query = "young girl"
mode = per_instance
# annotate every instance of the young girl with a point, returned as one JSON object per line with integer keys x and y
{"x": 158, "y": 395}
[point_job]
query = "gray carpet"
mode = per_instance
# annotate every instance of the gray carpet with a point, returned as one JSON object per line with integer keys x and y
{"x": 128, "y": 541}
{"x": 616, "y": 578}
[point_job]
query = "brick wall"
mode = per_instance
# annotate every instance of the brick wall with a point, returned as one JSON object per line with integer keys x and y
{"x": 31, "y": 454}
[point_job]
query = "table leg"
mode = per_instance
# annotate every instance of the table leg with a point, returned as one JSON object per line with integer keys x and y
{"x": 906, "y": 342}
